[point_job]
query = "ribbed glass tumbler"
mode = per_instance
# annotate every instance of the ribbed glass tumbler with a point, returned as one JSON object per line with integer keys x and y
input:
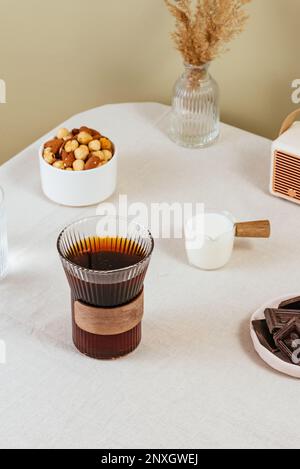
{"x": 105, "y": 260}
{"x": 195, "y": 116}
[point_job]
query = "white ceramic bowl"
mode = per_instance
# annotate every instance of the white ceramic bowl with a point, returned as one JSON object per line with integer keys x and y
{"x": 267, "y": 356}
{"x": 78, "y": 188}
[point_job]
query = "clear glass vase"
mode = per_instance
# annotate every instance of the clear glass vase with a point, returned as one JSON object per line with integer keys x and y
{"x": 195, "y": 116}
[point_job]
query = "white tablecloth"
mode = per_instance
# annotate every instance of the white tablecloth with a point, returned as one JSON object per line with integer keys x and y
{"x": 195, "y": 381}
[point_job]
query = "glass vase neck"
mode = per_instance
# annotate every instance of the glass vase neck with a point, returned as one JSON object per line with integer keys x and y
{"x": 197, "y": 68}
{"x": 196, "y": 75}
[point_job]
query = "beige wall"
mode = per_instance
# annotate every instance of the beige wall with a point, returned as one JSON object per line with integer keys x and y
{"x": 59, "y": 57}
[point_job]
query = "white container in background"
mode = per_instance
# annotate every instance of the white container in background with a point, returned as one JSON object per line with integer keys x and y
{"x": 209, "y": 239}
{"x": 78, "y": 188}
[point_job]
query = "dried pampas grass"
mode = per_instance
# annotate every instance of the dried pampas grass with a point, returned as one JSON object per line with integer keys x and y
{"x": 204, "y": 27}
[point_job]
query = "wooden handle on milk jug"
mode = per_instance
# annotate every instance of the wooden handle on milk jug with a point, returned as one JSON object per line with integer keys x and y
{"x": 253, "y": 229}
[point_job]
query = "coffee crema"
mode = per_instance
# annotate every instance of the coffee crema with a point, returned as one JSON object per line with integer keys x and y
{"x": 104, "y": 254}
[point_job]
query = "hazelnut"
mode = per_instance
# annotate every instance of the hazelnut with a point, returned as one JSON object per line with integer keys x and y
{"x": 92, "y": 163}
{"x": 75, "y": 132}
{"x": 63, "y": 133}
{"x": 49, "y": 157}
{"x": 94, "y": 133}
{"x": 95, "y": 145}
{"x": 99, "y": 154}
{"x": 82, "y": 152}
{"x": 105, "y": 143}
{"x": 59, "y": 164}
{"x": 84, "y": 138}
{"x": 71, "y": 145}
{"x": 107, "y": 155}
{"x": 78, "y": 165}
{"x": 70, "y": 169}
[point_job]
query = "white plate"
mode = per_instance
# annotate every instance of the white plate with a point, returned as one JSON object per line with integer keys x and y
{"x": 266, "y": 355}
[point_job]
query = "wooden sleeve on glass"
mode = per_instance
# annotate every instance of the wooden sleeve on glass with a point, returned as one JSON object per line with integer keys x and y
{"x": 109, "y": 321}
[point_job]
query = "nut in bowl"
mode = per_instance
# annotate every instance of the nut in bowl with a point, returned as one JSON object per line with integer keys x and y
{"x": 78, "y": 167}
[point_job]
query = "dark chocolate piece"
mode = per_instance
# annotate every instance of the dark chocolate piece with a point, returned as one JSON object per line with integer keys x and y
{"x": 282, "y": 357}
{"x": 265, "y": 338}
{"x": 287, "y": 340}
{"x": 277, "y": 318}
{"x": 292, "y": 303}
